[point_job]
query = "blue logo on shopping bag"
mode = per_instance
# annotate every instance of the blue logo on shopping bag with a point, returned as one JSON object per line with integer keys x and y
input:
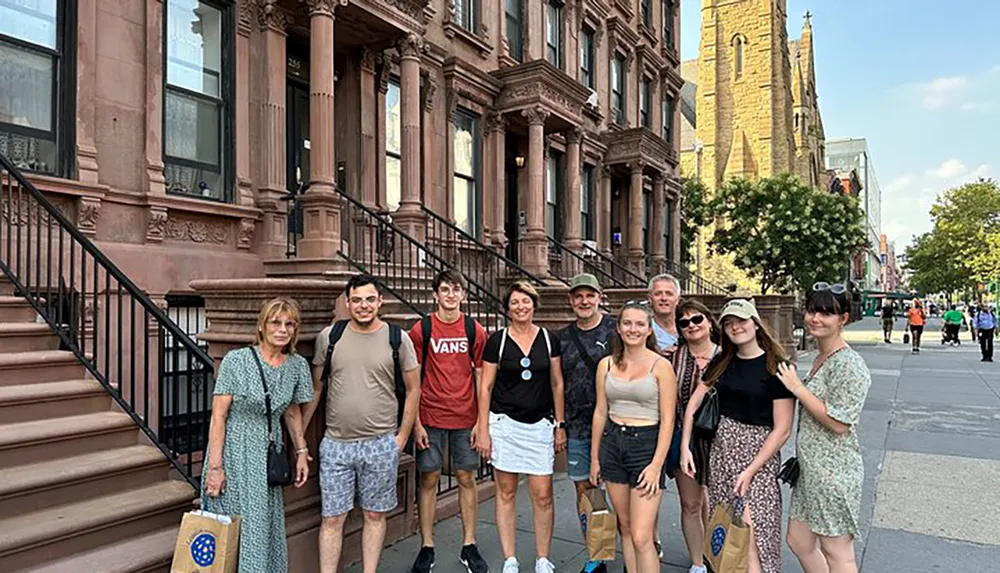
{"x": 203, "y": 550}
{"x": 718, "y": 540}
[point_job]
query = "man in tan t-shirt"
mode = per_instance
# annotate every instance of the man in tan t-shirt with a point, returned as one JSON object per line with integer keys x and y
{"x": 359, "y": 454}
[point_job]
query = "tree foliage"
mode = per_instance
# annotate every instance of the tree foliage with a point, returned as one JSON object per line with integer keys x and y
{"x": 941, "y": 267}
{"x": 785, "y": 234}
{"x": 695, "y": 214}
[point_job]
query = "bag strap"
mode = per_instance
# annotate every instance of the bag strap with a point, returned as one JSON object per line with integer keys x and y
{"x": 503, "y": 342}
{"x": 574, "y": 335}
{"x": 425, "y": 333}
{"x": 395, "y": 341}
{"x": 336, "y": 331}
{"x": 267, "y": 392}
{"x": 470, "y": 334}
{"x": 548, "y": 343}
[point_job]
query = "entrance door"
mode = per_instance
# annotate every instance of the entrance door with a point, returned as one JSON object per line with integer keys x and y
{"x": 512, "y": 222}
{"x": 297, "y": 100}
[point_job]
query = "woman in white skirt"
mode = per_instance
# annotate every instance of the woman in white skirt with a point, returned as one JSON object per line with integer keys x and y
{"x": 521, "y": 409}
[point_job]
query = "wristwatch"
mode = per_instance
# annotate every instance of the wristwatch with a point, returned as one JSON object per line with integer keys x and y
{"x": 561, "y": 425}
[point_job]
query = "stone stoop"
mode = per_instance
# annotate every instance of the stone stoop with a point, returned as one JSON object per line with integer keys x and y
{"x": 80, "y": 488}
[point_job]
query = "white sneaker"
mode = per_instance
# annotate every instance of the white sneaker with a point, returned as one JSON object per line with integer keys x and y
{"x": 543, "y": 565}
{"x": 698, "y": 569}
{"x": 511, "y": 565}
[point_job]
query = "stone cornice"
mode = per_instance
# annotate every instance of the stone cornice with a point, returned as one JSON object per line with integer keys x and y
{"x": 628, "y": 146}
{"x": 620, "y": 35}
{"x": 407, "y": 15}
{"x": 649, "y": 58}
{"x": 469, "y": 81}
{"x": 539, "y": 83}
{"x": 177, "y": 203}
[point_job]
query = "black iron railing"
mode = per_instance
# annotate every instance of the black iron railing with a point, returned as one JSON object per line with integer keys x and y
{"x": 123, "y": 339}
{"x": 474, "y": 259}
{"x": 623, "y": 276}
{"x": 565, "y": 262}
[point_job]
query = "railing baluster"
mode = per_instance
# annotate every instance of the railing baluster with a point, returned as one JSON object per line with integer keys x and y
{"x": 131, "y": 329}
{"x": 72, "y": 290}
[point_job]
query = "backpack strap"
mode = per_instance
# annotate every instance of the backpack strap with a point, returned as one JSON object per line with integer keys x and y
{"x": 425, "y": 333}
{"x": 395, "y": 341}
{"x": 470, "y": 334}
{"x": 574, "y": 335}
{"x": 548, "y": 343}
{"x": 336, "y": 331}
{"x": 503, "y": 342}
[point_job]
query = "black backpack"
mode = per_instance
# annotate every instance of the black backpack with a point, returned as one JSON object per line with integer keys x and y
{"x": 395, "y": 340}
{"x": 425, "y": 331}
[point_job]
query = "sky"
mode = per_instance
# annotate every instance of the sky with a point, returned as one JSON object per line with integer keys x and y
{"x": 919, "y": 79}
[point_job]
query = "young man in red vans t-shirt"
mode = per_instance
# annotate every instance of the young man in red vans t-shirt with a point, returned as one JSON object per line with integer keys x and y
{"x": 449, "y": 346}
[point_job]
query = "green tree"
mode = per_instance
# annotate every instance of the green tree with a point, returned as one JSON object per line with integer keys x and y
{"x": 936, "y": 264}
{"x": 694, "y": 216}
{"x": 785, "y": 234}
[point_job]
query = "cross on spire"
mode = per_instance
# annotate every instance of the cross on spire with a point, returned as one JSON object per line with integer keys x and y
{"x": 808, "y": 17}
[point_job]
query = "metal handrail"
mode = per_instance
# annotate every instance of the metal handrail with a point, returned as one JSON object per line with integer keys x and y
{"x": 586, "y": 264}
{"x": 637, "y": 280}
{"x": 81, "y": 318}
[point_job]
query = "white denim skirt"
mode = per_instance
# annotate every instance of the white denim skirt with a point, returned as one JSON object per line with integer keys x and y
{"x": 520, "y": 448}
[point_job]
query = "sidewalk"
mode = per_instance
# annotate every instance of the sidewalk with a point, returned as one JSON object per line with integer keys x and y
{"x": 930, "y": 435}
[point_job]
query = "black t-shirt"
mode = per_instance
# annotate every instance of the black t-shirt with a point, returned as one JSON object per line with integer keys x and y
{"x": 581, "y": 390}
{"x": 526, "y": 401}
{"x": 747, "y": 392}
{"x": 888, "y": 312}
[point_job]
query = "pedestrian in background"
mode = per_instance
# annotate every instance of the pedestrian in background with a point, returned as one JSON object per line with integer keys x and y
{"x": 953, "y": 320}
{"x": 521, "y": 408}
{"x": 916, "y": 318}
{"x": 888, "y": 320}
{"x": 756, "y": 421}
{"x": 584, "y": 343}
{"x": 986, "y": 326}
{"x": 972, "y": 321}
{"x": 234, "y": 478}
{"x": 826, "y": 500}
{"x": 697, "y": 347}
{"x": 633, "y": 426}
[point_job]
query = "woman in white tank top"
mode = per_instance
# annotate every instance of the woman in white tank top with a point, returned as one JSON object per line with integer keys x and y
{"x": 633, "y": 425}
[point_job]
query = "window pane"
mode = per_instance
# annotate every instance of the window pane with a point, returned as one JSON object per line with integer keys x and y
{"x": 193, "y": 180}
{"x": 553, "y": 21}
{"x": 194, "y": 46}
{"x": 393, "y": 189}
{"x": 192, "y": 128}
{"x": 30, "y": 153}
{"x": 392, "y": 121}
{"x": 464, "y": 189}
{"x": 465, "y": 146}
{"x": 26, "y": 83}
{"x": 30, "y": 20}
{"x": 551, "y": 172}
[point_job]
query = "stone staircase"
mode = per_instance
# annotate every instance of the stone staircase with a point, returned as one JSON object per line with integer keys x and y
{"x": 81, "y": 489}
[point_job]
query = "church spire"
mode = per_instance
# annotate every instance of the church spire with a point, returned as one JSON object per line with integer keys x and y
{"x": 806, "y": 50}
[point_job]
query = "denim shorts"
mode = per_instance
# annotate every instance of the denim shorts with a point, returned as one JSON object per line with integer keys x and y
{"x": 578, "y": 459}
{"x": 626, "y": 451}
{"x": 459, "y": 442}
{"x": 363, "y": 469}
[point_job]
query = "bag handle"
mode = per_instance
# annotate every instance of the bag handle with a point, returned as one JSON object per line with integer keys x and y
{"x": 267, "y": 393}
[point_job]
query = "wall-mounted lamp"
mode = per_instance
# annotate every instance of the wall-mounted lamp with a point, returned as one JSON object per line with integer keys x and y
{"x": 519, "y": 161}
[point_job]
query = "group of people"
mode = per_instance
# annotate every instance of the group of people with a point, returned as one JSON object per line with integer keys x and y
{"x": 619, "y": 394}
{"x": 982, "y": 323}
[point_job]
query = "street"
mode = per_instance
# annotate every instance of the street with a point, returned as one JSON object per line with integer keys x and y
{"x": 930, "y": 434}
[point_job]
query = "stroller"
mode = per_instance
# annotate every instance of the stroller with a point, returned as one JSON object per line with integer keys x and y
{"x": 949, "y": 334}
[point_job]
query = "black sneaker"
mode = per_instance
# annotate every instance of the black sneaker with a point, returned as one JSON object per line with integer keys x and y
{"x": 594, "y": 567}
{"x": 424, "y": 562}
{"x": 473, "y": 561}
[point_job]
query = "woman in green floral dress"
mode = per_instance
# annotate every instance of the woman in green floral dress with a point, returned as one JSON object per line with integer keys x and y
{"x": 234, "y": 479}
{"x": 826, "y": 501}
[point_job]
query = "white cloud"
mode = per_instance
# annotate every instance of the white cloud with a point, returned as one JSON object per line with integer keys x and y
{"x": 948, "y": 169}
{"x": 975, "y": 93}
{"x": 899, "y": 183}
{"x": 939, "y": 91}
{"x": 981, "y": 106}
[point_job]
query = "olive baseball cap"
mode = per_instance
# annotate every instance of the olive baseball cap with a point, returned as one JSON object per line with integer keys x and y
{"x": 585, "y": 280}
{"x": 740, "y": 308}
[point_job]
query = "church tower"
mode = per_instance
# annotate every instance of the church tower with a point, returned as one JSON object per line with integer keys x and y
{"x": 744, "y": 99}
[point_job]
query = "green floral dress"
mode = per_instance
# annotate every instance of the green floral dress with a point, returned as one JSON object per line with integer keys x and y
{"x": 827, "y": 496}
{"x": 244, "y": 454}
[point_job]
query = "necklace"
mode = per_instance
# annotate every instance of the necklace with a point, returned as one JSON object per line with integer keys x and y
{"x": 706, "y": 357}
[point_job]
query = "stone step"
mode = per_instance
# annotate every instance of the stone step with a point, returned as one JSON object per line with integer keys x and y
{"x": 44, "y": 440}
{"x": 26, "y": 337}
{"x": 39, "y": 366}
{"x": 45, "y": 400}
{"x": 32, "y": 539}
{"x": 38, "y": 486}
{"x": 148, "y": 553}
{"x": 16, "y": 309}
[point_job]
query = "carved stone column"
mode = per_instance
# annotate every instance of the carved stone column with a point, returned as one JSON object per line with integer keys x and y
{"x": 369, "y": 114}
{"x": 572, "y": 222}
{"x": 636, "y": 256}
{"x": 675, "y": 230}
{"x": 155, "y": 181}
{"x": 321, "y": 205}
{"x": 496, "y": 181}
{"x": 604, "y": 223}
{"x": 534, "y": 245}
{"x": 431, "y": 149}
{"x": 659, "y": 248}
{"x": 86, "y": 88}
{"x": 272, "y": 22}
{"x": 410, "y": 217}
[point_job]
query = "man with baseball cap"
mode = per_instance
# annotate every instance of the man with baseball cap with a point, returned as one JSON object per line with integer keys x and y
{"x": 584, "y": 342}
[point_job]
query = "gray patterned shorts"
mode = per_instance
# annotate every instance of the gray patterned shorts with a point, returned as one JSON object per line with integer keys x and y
{"x": 363, "y": 469}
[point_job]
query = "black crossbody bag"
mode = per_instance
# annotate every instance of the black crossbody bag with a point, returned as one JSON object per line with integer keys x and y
{"x": 279, "y": 470}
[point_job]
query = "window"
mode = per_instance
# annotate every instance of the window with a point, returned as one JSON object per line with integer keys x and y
{"x": 738, "y": 56}
{"x": 668, "y": 24}
{"x": 668, "y": 119}
{"x": 393, "y": 146}
{"x": 552, "y": 182}
{"x": 465, "y": 14}
{"x": 646, "y": 8}
{"x": 587, "y": 202}
{"x": 195, "y": 116}
{"x": 647, "y": 213}
{"x": 553, "y": 32}
{"x": 35, "y": 79}
{"x": 515, "y": 29}
{"x": 668, "y": 211}
{"x": 587, "y": 58}
{"x": 644, "y": 102}
{"x": 467, "y": 163}
{"x": 618, "y": 88}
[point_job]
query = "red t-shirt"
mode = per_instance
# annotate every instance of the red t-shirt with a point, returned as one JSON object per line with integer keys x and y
{"x": 448, "y": 389}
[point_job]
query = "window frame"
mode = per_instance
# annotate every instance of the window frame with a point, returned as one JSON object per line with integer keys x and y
{"x": 587, "y": 202}
{"x": 389, "y": 154}
{"x": 475, "y": 201}
{"x": 468, "y": 20}
{"x": 668, "y": 24}
{"x": 668, "y": 208}
{"x": 225, "y": 100}
{"x": 62, "y": 132}
{"x": 646, "y": 13}
{"x": 668, "y": 119}
{"x": 618, "y": 89}
{"x": 515, "y": 42}
{"x": 645, "y": 94}
{"x": 587, "y": 53}
{"x": 738, "y": 56}
{"x": 554, "y": 51}
{"x": 555, "y": 160}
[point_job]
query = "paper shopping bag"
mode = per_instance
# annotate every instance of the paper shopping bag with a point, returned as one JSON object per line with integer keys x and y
{"x": 600, "y": 526}
{"x": 207, "y": 543}
{"x": 727, "y": 541}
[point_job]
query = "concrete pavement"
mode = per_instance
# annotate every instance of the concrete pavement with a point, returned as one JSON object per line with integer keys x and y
{"x": 930, "y": 433}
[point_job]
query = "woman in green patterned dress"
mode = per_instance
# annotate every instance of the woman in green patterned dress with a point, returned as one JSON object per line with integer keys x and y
{"x": 826, "y": 501}
{"x": 234, "y": 479}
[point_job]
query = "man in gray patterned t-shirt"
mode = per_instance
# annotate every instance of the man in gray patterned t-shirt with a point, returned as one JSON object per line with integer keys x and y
{"x": 584, "y": 344}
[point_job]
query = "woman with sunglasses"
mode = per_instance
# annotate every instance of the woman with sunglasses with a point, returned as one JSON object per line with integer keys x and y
{"x": 521, "y": 408}
{"x": 755, "y": 422}
{"x": 633, "y": 425}
{"x": 826, "y": 501}
{"x": 698, "y": 345}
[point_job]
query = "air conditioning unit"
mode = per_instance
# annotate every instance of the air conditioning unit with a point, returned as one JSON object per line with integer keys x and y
{"x": 592, "y": 100}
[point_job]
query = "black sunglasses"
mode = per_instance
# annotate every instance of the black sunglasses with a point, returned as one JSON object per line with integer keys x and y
{"x": 837, "y": 289}
{"x": 685, "y": 322}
